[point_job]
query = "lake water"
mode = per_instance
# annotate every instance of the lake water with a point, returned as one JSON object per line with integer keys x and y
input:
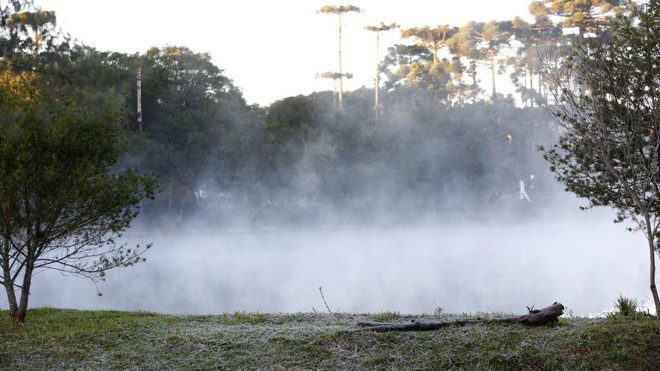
{"x": 583, "y": 262}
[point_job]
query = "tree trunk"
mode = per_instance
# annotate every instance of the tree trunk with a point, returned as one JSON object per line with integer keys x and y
{"x": 556, "y": 86}
{"x": 139, "y": 94}
{"x": 533, "y": 318}
{"x": 37, "y": 39}
{"x": 11, "y": 295}
{"x": 11, "y": 298}
{"x": 654, "y": 289}
{"x": 19, "y": 315}
{"x": 377, "y": 79}
{"x": 341, "y": 72}
{"x": 473, "y": 74}
{"x": 531, "y": 86}
{"x": 335, "y": 101}
{"x": 181, "y": 207}
{"x": 525, "y": 91}
{"x": 8, "y": 283}
{"x": 492, "y": 75}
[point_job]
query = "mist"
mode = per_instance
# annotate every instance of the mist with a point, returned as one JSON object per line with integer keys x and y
{"x": 486, "y": 266}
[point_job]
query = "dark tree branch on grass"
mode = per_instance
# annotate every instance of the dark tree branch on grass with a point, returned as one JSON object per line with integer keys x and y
{"x": 533, "y": 318}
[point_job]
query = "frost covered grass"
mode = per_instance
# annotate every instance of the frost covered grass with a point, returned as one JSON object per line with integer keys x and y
{"x": 55, "y": 338}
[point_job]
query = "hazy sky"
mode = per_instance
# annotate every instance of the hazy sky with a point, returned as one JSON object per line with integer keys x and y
{"x": 271, "y": 49}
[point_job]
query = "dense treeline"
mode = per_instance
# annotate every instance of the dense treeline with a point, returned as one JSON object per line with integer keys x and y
{"x": 438, "y": 145}
{"x": 444, "y": 61}
{"x": 301, "y": 159}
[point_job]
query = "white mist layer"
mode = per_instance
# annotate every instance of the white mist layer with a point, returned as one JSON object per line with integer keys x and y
{"x": 584, "y": 262}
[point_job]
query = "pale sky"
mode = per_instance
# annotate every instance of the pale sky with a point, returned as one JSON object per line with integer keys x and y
{"x": 271, "y": 49}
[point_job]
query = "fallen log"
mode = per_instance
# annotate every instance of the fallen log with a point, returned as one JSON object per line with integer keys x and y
{"x": 535, "y": 317}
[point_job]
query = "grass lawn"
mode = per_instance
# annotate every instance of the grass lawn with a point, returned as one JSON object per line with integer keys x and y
{"x": 56, "y": 338}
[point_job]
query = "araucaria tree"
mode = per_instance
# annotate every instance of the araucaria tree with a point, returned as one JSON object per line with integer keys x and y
{"x": 25, "y": 32}
{"x": 39, "y": 21}
{"x": 492, "y": 37}
{"x": 433, "y": 39}
{"x": 609, "y": 148}
{"x": 62, "y": 203}
{"x": 587, "y": 15}
{"x": 377, "y": 30}
{"x": 340, "y": 11}
{"x": 334, "y": 76}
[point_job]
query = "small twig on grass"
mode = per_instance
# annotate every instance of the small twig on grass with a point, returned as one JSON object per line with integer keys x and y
{"x": 326, "y": 303}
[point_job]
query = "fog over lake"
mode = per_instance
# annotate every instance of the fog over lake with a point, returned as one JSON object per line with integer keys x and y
{"x": 583, "y": 261}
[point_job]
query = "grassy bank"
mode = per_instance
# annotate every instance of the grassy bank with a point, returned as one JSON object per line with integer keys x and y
{"x": 55, "y": 338}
